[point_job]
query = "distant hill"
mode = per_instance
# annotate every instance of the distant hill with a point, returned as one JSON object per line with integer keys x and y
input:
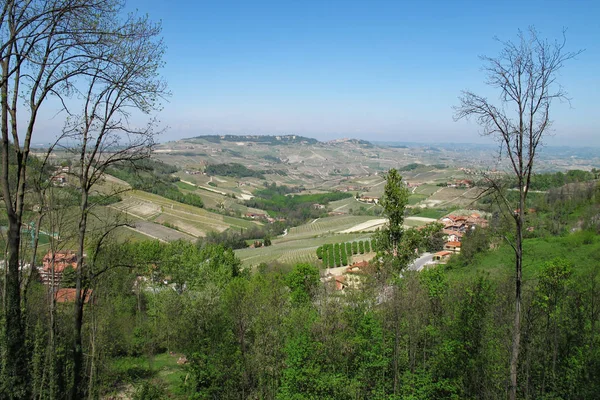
{"x": 262, "y": 139}
{"x": 359, "y": 142}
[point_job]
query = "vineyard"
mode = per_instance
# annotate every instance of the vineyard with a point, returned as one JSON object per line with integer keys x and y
{"x": 340, "y": 254}
{"x": 326, "y": 225}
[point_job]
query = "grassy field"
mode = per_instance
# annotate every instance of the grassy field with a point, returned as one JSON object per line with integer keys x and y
{"x": 162, "y": 370}
{"x": 580, "y": 249}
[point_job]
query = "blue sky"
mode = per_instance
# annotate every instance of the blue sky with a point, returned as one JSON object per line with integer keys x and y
{"x": 379, "y": 70}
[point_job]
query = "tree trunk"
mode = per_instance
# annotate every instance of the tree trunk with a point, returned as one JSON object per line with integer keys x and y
{"x": 516, "y": 337}
{"x": 76, "y": 389}
{"x": 15, "y": 366}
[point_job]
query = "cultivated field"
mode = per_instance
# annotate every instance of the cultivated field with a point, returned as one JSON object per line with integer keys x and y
{"x": 191, "y": 222}
{"x": 293, "y": 251}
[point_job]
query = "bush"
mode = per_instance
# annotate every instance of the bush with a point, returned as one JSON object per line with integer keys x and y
{"x": 361, "y": 247}
{"x": 331, "y": 257}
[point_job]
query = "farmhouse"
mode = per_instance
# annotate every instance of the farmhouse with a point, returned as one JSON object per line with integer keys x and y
{"x": 56, "y": 262}
{"x": 369, "y": 199}
{"x": 452, "y": 235}
{"x": 59, "y": 180}
{"x": 452, "y": 246}
{"x": 442, "y": 256}
{"x": 256, "y": 215}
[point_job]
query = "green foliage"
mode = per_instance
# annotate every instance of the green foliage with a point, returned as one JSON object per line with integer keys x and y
{"x": 234, "y": 170}
{"x": 302, "y": 281}
{"x": 361, "y": 247}
{"x": 411, "y": 167}
{"x": 546, "y": 181}
{"x": 394, "y": 201}
{"x": 154, "y": 177}
{"x": 343, "y": 256}
{"x": 149, "y": 391}
{"x": 279, "y": 200}
{"x": 367, "y": 246}
{"x": 354, "y": 248}
{"x": 331, "y": 256}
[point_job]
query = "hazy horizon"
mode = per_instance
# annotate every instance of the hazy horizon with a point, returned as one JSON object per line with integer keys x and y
{"x": 368, "y": 70}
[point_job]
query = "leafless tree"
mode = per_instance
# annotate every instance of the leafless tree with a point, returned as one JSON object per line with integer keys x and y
{"x": 525, "y": 74}
{"x": 122, "y": 81}
{"x": 45, "y": 47}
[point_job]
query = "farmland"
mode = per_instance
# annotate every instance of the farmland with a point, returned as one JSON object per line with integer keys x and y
{"x": 310, "y": 168}
{"x": 169, "y": 220}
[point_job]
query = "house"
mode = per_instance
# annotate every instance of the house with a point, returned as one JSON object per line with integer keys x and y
{"x": 55, "y": 263}
{"x": 453, "y": 246}
{"x": 59, "y": 180}
{"x": 442, "y": 256}
{"x": 67, "y": 295}
{"x": 369, "y": 199}
{"x": 256, "y": 215}
{"x": 452, "y": 235}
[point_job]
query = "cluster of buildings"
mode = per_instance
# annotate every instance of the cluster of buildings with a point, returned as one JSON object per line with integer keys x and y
{"x": 59, "y": 178}
{"x": 51, "y": 274}
{"x": 369, "y": 199}
{"x": 263, "y": 217}
{"x": 455, "y": 227}
{"x": 461, "y": 183}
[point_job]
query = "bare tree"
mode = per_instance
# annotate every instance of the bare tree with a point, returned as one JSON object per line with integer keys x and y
{"x": 123, "y": 81}
{"x": 525, "y": 73}
{"x": 46, "y": 46}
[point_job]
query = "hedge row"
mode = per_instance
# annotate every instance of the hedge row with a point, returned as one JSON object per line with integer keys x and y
{"x": 340, "y": 254}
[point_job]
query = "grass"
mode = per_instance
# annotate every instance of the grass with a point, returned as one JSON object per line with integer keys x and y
{"x": 185, "y": 186}
{"x": 580, "y": 249}
{"x": 430, "y": 213}
{"x": 293, "y": 251}
{"x": 416, "y": 198}
{"x": 162, "y": 368}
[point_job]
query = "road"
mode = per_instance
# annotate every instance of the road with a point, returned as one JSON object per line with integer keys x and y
{"x": 420, "y": 262}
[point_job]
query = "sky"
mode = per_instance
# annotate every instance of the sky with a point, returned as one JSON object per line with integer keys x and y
{"x": 375, "y": 70}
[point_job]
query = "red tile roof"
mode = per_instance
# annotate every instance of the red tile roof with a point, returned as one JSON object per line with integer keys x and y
{"x": 453, "y": 244}
{"x": 67, "y": 295}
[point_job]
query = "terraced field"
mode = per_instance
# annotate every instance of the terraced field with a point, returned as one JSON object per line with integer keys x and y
{"x": 192, "y": 222}
{"x": 322, "y": 226}
{"x": 452, "y": 197}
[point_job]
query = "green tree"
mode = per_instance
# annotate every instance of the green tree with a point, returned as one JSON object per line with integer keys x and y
{"x": 302, "y": 281}
{"x": 331, "y": 257}
{"x": 393, "y": 201}
{"x": 344, "y": 257}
